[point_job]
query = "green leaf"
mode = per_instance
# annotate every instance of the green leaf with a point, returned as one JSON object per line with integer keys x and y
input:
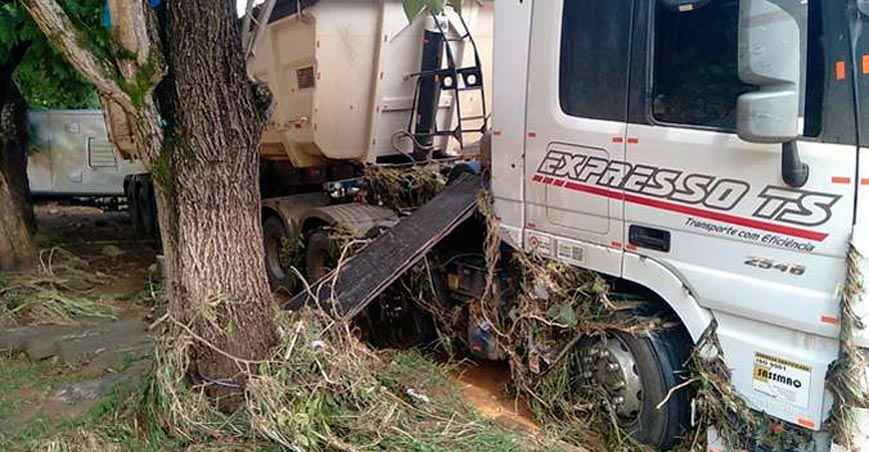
{"x": 563, "y": 314}
{"x": 437, "y": 6}
{"x": 412, "y": 8}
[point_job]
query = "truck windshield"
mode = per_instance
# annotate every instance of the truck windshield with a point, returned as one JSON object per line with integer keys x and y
{"x": 696, "y": 80}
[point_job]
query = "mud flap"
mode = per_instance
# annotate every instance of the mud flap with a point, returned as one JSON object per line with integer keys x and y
{"x": 366, "y": 275}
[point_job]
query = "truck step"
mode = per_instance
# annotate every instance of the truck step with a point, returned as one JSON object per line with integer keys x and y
{"x": 365, "y": 276}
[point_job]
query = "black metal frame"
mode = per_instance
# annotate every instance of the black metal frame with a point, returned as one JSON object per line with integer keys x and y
{"x": 455, "y": 79}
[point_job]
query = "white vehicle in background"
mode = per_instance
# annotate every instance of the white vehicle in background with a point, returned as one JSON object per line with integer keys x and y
{"x": 71, "y": 157}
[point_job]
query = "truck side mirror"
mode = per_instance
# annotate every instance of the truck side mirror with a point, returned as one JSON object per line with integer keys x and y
{"x": 769, "y": 58}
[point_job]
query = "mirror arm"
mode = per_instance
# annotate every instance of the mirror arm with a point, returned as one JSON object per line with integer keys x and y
{"x": 794, "y": 171}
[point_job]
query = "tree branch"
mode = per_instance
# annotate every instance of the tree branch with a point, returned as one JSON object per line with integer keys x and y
{"x": 16, "y": 55}
{"x": 245, "y": 24}
{"x": 67, "y": 39}
{"x": 14, "y": 58}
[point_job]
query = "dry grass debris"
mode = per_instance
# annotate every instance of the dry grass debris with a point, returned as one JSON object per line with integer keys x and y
{"x": 401, "y": 188}
{"x": 847, "y": 378}
{"x": 323, "y": 389}
{"x": 60, "y": 290}
{"x": 80, "y": 440}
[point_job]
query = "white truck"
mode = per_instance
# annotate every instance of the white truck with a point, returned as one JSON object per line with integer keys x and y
{"x": 708, "y": 154}
{"x": 71, "y": 157}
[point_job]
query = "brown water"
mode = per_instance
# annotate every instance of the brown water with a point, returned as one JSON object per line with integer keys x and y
{"x": 483, "y": 385}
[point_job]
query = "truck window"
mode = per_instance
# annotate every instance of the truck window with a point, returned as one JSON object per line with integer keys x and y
{"x": 695, "y": 76}
{"x": 595, "y": 42}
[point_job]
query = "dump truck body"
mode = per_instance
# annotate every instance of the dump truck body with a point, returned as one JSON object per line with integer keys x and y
{"x": 341, "y": 73}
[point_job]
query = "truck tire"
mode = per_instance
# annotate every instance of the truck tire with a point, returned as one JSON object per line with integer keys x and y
{"x": 646, "y": 369}
{"x": 131, "y": 191}
{"x": 147, "y": 207}
{"x": 274, "y": 233}
{"x": 317, "y": 248}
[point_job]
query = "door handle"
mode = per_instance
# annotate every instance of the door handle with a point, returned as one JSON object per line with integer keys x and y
{"x": 649, "y": 238}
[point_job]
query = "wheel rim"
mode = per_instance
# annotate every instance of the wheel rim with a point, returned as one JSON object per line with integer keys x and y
{"x": 608, "y": 363}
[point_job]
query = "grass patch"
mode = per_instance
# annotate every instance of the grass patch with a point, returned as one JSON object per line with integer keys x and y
{"x": 115, "y": 423}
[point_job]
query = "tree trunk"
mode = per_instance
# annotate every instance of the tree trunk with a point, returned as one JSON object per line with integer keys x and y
{"x": 17, "y": 225}
{"x": 201, "y": 150}
{"x": 207, "y": 179}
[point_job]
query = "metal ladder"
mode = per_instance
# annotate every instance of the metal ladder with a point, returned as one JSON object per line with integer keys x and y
{"x": 458, "y": 80}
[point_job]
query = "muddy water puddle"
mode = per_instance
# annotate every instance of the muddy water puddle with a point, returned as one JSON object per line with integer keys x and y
{"x": 484, "y": 386}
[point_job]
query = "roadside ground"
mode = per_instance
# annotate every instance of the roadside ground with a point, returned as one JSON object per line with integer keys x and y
{"x": 70, "y": 386}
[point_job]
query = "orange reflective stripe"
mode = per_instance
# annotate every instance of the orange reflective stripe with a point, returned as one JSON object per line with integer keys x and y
{"x": 840, "y": 70}
{"x": 805, "y": 422}
{"x": 829, "y": 319}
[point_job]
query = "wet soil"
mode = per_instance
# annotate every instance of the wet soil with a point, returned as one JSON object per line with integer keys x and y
{"x": 484, "y": 386}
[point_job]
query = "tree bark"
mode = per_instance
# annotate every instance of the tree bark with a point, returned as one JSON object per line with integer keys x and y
{"x": 17, "y": 224}
{"x": 201, "y": 149}
{"x": 210, "y": 192}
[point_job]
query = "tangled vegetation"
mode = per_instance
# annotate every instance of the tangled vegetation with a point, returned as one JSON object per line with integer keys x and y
{"x": 60, "y": 290}
{"x": 400, "y": 188}
{"x": 847, "y": 379}
{"x": 323, "y": 389}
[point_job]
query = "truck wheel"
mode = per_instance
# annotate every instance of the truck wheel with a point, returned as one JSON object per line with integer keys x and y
{"x": 147, "y": 208}
{"x": 274, "y": 233}
{"x": 131, "y": 191}
{"x": 317, "y": 248}
{"x": 637, "y": 374}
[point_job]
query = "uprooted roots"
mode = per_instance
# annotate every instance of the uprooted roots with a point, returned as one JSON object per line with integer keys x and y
{"x": 60, "y": 290}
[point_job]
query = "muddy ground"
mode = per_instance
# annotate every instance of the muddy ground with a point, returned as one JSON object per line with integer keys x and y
{"x": 54, "y": 377}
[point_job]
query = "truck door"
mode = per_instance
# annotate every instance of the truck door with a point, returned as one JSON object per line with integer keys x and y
{"x": 576, "y": 120}
{"x": 715, "y": 209}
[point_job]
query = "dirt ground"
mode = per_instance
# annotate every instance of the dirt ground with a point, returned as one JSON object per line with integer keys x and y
{"x": 38, "y": 395}
{"x": 105, "y": 239}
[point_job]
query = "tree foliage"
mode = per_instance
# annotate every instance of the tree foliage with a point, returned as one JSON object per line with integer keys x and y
{"x": 43, "y": 76}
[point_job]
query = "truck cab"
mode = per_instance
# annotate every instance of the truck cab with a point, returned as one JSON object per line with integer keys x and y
{"x": 709, "y": 151}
